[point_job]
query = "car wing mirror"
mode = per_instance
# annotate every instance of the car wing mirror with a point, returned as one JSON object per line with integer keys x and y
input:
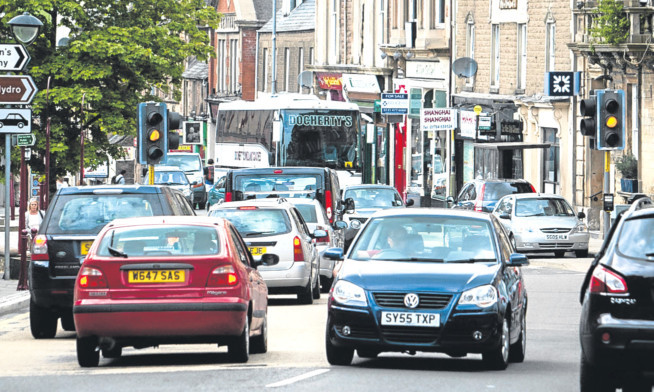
{"x": 349, "y": 204}
{"x": 581, "y": 215}
{"x": 518, "y": 260}
{"x": 319, "y": 233}
{"x": 410, "y": 202}
{"x": 505, "y": 216}
{"x": 334, "y": 253}
{"x": 340, "y": 225}
{"x": 450, "y": 200}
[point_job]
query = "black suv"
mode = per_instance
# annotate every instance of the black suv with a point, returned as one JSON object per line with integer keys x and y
{"x": 483, "y": 195}
{"x": 319, "y": 183}
{"x": 74, "y": 218}
{"x": 617, "y": 306}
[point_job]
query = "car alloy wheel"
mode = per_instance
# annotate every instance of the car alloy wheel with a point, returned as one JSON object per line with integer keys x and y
{"x": 88, "y": 354}
{"x": 43, "y": 322}
{"x": 498, "y": 358}
{"x": 239, "y": 350}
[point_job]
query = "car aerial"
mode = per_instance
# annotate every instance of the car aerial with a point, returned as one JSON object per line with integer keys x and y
{"x": 319, "y": 183}
{"x": 432, "y": 280}
{"x": 368, "y": 199}
{"x": 170, "y": 280}
{"x": 173, "y": 177}
{"x": 70, "y": 225}
{"x": 482, "y": 195}
{"x": 14, "y": 119}
{"x": 616, "y": 327}
{"x": 276, "y": 226}
{"x": 539, "y": 222}
{"x": 191, "y": 164}
{"x": 216, "y": 192}
{"x": 316, "y": 219}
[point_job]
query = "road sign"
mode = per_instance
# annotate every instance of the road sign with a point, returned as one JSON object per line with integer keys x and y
{"x": 395, "y": 103}
{"x": 27, "y": 139}
{"x": 13, "y": 57}
{"x": 15, "y": 120}
{"x": 17, "y": 89}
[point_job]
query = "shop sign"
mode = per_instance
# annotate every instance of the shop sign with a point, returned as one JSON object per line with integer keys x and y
{"x": 360, "y": 83}
{"x": 330, "y": 81}
{"x": 415, "y": 102}
{"x": 484, "y": 123}
{"x": 424, "y": 70}
{"x": 468, "y": 124}
{"x": 436, "y": 119}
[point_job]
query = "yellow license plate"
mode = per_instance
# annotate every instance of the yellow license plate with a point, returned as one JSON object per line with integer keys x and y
{"x": 85, "y": 246}
{"x": 156, "y": 276}
{"x": 258, "y": 250}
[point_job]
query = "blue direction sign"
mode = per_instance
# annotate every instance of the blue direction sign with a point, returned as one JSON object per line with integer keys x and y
{"x": 15, "y": 120}
{"x": 13, "y": 57}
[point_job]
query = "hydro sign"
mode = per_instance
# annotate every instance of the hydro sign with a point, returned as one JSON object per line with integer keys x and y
{"x": 17, "y": 89}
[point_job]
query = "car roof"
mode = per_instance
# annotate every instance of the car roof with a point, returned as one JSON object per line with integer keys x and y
{"x": 267, "y": 202}
{"x": 500, "y": 180}
{"x": 536, "y": 196}
{"x": 111, "y": 189}
{"x": 431, "y": 212}
{"x": 166, "y": 168}
{"x": 168, "y": 220}
{"x": 369, "y": 186}
{"x": 298, "y": 200}
{"x": 285, "y": 170}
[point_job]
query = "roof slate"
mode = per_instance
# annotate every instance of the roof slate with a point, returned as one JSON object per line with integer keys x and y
{"x": 301, "y": 18}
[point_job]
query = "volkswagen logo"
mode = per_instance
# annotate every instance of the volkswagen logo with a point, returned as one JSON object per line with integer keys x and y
{"x": 411, "y": 300}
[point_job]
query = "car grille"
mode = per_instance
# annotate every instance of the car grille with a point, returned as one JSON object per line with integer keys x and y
{"x": 358, "y": 332}
{"x": 556, "y": 230}
{"x": 558, "y": 245}
{"x": 427, "y": 301}
{"x": 410, "y": 334}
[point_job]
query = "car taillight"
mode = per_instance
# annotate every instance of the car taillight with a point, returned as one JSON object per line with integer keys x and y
{"x": 298, "y": 254}
{"x": 328, "y": 205}
{"x": 479, "y": 201}
{"x": 223, "y": 276}
{"x": 228, "y": 196}
{"x": 322, "y": 239}
{"x": 532, "y": 188}
{"x": 40, "y": 248}
{"x": 92, "y": 278}
{"x": 605, "y": 281}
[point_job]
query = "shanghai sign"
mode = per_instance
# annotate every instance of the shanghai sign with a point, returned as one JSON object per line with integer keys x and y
{"x": 17, "y": 89}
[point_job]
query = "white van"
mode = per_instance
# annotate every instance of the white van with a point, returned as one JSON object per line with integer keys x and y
{"x": 191, "y": 165}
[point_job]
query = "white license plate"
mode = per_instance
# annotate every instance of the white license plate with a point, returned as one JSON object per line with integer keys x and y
{"x": 411, "y": 319}
{"x": 558, "y": 237}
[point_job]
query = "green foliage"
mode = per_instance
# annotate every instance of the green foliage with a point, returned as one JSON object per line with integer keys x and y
{"x": 627, "y": 165}
{"x": 118, "y": 54}
{"x": 610, "y": 23}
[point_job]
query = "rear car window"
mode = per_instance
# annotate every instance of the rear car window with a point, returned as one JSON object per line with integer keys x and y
{"x": 373, "y": 197}
{"x": 87, "y": 214}
{"x": 308, "y": 212}
{"x": 256, "y": 222}
{"x": 160, "y": 241}
{"x": 497, "y": 190}
{"x": 637, "y": 238}
{"x": 255, "y": 187}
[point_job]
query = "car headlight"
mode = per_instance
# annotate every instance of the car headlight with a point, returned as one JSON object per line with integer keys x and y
{"x": 523, "y": 229}
{"x": 580, "y": 228}
{"x": 348, "y": 293}
{"x": 482, "y": 296}
{"x": 355, "y": 224}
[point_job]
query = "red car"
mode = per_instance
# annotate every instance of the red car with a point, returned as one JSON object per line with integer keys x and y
{"x": 170, "y": 280}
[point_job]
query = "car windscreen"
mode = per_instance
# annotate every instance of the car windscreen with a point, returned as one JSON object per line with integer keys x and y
{"x": 497, "y": 190}
{"x": 308, "y": 212}
{"x": 185, "y": 162}
{"x": 373, "y": 197}
{"x": 273, "y": 185}
{"x": 170, "y": 178}
{"x": 158, "y": 241}
{"x": 256, "y": 222}
{"x": 87, "y": 214}
{"x": 542, "y": 207}
{"x": 636, "y": 239}
{"x": 426, "y": 238}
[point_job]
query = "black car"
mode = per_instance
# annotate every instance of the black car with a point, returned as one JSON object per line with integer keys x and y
{"x": 483, "y": 195}
{"x": 617, "y": 306}
{"x": 432, "y": 280}
{"x": 319, "y": 183}
{"x": 14, "y": 119}
{"x": 73, "y": 219}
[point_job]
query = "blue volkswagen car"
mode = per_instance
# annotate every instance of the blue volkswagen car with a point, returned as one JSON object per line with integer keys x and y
{"x": 432, "y": 280}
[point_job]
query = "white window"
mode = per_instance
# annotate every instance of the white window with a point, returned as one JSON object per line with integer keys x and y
{"x": 437, "y": 16}
{"x": 470, "y": 48}
{"x": 550, "y": 39}
{"x": 334, "y": 39}
{"x": 233, "y": 66}
{"x": 222, "y": 61}
{"x": 266, "y": 74}
{"x": 522, "y": 56}
{"x": 287, "y": 69}
{"x": 495, "y": 56}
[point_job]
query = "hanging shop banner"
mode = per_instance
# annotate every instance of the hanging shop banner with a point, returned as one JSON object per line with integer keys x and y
{"x": 468, "y": 124}
{"x": 435, "y": 119}
{"x": 329, "y": 81}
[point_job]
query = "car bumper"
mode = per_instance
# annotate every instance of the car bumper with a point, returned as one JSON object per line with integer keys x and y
{"x": 454, "y": 335}
{"x": 630, "y": 346}
{"x": 297, "y": 275}
{"x": 537, "y": 242}
{"x": 47, "y": 291}
{"x": 116, "y": 319}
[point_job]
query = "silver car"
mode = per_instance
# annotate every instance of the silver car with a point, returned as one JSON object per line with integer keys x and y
{"x": 539, "y": 222}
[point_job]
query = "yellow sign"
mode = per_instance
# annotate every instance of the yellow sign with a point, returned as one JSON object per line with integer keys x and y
{"x": 477, "y": 109}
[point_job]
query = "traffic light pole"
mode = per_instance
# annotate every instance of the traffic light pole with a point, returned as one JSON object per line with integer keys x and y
{"x": 151, "y": 174}
{"x": 607, "y": 178}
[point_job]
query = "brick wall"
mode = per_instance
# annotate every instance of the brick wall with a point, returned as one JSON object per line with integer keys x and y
{"x": 248, "y": 64}
{"x": 293, "y": 41}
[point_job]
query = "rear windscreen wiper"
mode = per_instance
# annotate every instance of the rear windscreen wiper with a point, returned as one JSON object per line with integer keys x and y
{"x": 116, "y": 253}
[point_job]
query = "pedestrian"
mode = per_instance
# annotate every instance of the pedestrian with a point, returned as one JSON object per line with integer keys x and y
{"x": 209, "y": 172}
{"x": 120, "y": 179}
{"x": 33, "y": 216}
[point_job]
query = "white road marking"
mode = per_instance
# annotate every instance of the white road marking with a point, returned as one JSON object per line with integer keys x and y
{"x": 295, "y": 379}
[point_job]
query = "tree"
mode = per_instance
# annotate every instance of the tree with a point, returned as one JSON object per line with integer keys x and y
{"x": 119, "y": 53}
{"x": 610, "y": 23}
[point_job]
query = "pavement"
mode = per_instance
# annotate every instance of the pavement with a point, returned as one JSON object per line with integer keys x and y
{"x": 11, "y": 299}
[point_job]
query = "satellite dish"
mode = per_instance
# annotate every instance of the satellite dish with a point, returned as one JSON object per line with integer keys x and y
{"x": 305, "y": 79}
{"x": 465, "y": 67}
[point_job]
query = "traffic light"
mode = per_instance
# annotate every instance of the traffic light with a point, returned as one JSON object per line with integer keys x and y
{"x": 611, "y": 127}
{"x": 588, "y": 109}
{"x": 152, "y": 134}
{"x": 174, "y": 122}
